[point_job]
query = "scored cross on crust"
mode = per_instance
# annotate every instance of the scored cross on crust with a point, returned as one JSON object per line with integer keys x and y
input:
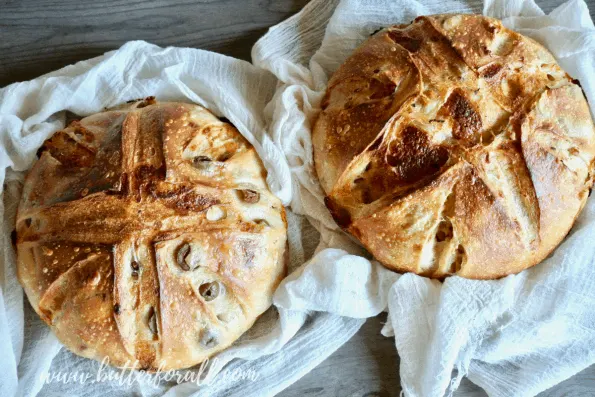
{"x": 147, "y": 233}
{"x": 453, "y": 145}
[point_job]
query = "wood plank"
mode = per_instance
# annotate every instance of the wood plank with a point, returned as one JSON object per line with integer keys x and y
{"x": 38, "y": 36}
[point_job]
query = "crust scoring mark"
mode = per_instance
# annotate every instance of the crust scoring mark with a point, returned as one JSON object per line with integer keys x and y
{"x": 449, "y": 254}
{"x": 401, "y": 38}
{"x": 460, "y": 258}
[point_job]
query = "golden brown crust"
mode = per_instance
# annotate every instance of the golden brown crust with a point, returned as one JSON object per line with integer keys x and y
{"x": 453, "y": 145}
{"x": 147, "y": 234}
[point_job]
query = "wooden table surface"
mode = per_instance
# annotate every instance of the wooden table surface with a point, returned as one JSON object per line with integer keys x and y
{"x": 38, "y": 36}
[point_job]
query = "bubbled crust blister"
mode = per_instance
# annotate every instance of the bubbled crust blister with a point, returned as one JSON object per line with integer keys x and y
{"x": 453, "y": 145}
{"x": 146, "y": 233}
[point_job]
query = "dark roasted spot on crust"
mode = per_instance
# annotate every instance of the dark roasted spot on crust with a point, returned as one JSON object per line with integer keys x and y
{"x": 340, "y": 214}
{"x": 491, "y": 28}
{"x": 366, "y": 196}
{"x": 577, "y": 82}
{"x": 381, "y": 89}
{"x": 490, "y": 70}
{"x": 467, "y": 122}
{"x": 40, "y": 151}
{"x": 262, "y": 222}
{"x": 192, "y": 201}
{"x": 117, "y": 308}
{"x": 225, "y": 156}
{"x": 181, "y": 197}
{"x": 413, "y": 157}
{"x": 150, "y": 100}
{"x": 67, "y": 151}
{"x": 409, "y": 43}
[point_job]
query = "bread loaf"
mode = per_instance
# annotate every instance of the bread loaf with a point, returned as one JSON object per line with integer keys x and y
{"x": 453, "y": 145}
{"x": 146, "y": 233}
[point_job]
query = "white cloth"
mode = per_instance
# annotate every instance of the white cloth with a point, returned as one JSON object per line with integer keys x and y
{"x": 31, "y": 111}
{"x": 516, "y": 336}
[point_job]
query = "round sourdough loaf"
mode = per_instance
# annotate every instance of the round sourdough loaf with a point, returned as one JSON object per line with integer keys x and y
{"x": 146, "y": 234}
{"x": 453, "y": 145}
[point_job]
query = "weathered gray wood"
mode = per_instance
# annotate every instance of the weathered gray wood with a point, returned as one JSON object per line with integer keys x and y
{"x": 38, "y": 36}
{"x": 368, "y": 365}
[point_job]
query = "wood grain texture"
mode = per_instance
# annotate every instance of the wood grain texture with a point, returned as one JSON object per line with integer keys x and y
{"x": 38, "y": 36}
